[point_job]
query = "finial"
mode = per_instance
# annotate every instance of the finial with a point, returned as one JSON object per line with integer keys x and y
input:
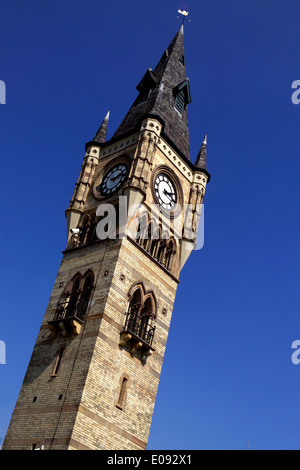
{"x": 184, "y": 15}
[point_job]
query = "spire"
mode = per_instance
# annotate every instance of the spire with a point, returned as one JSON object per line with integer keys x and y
{"x": 102, "y": 131}
{"x": 164, "y": 93}
{"x": 201, "y": 158}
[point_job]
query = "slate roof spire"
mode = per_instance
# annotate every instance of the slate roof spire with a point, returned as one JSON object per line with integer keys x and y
{"x": 164, "y": 93}
{"x": 102, "y": 131}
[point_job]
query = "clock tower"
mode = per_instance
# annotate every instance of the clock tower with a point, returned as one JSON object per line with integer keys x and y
{"x": 132, "y": 223}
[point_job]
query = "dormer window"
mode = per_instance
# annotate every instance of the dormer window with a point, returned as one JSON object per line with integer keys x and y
{"x": 182, "y": 94}
{"x": 181, "y": 59}
{"x": 145, "y": 87}
{"x": 143, "y": 96}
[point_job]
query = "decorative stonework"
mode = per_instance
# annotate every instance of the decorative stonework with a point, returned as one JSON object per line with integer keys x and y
{"x": 116, "y": 147}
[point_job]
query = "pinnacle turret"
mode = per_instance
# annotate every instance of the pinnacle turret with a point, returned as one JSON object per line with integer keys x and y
{"x": 102, "y": 131}
{"x": 201, "y": 158}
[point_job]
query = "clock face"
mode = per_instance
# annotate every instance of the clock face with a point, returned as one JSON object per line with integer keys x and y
{"x": 165, "y": 191}
{"x": 113, "y": 180}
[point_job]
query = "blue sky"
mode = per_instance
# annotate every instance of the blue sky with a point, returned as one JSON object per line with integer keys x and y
{"x": 227, "y": 378}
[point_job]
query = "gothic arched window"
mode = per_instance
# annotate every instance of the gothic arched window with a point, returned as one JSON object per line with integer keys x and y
{"x": 147, "y": 240}
{"x": 71, "y": 295}
{"x": 154, "y": 241}
{"x": 74, "y": 301}
{"x": 146, "y": 330}
{"x": 87, "y": 285}
{"x": 140, "y": 317}
{"x": 170, "y": 252}
{"x": 84, "y": 226}
{"x": 161, "y": 251}
{"x": 135, "y": 306}
{"x": 91, "y": 230}
{"x": 142, "y": 230}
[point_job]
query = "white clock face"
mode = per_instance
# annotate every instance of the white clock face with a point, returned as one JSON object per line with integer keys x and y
{"x": 165, "y": 191}
{"x": 113, "y": 179}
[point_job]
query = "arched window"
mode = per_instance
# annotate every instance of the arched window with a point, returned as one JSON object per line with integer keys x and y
{"x": 87, "y": 285}
{"x": 135, "y": 306}
{"x": 147, "y": 240}
{"x": 142, "y": 230}
{"x": 139, "y": 324}
{"x": 91, "y": 231}
{"x": 147, "y": 316}
{"x": 155, "y": 238}
{"x": 170, "y": 252}
{"x": 71, "y": 295}
{"x": 87, "y": 230}
{"x": 83, "y": 226}
{"x": 76, "y": 296}
{"x": 161, "y": 251}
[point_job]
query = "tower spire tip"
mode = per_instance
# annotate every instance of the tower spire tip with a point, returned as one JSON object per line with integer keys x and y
{"x": 102, "y": 131}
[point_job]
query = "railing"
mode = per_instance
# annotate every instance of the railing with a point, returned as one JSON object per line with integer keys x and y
{"x": 139, "y": 325}
{"x": 65, "y": 309}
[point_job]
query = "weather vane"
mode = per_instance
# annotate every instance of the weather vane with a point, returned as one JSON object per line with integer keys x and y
{"x": 184, "y": 15}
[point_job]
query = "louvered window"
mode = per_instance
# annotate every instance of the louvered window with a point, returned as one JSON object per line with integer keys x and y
{"x": 179, "y": 101}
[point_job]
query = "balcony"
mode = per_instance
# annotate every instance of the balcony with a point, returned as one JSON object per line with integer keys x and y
{"x": 68, "y": 318}
{"x": 138, "y": 334}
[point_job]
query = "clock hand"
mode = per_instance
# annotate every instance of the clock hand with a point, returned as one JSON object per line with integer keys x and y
{"x": 169, "y": 194}
{"x": 116, "y": 177}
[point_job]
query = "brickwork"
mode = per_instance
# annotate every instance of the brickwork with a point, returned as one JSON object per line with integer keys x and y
{"x": 79, "y": 403}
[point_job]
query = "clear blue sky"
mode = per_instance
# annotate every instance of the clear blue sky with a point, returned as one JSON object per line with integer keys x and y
{"x": 227, "y": 378}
